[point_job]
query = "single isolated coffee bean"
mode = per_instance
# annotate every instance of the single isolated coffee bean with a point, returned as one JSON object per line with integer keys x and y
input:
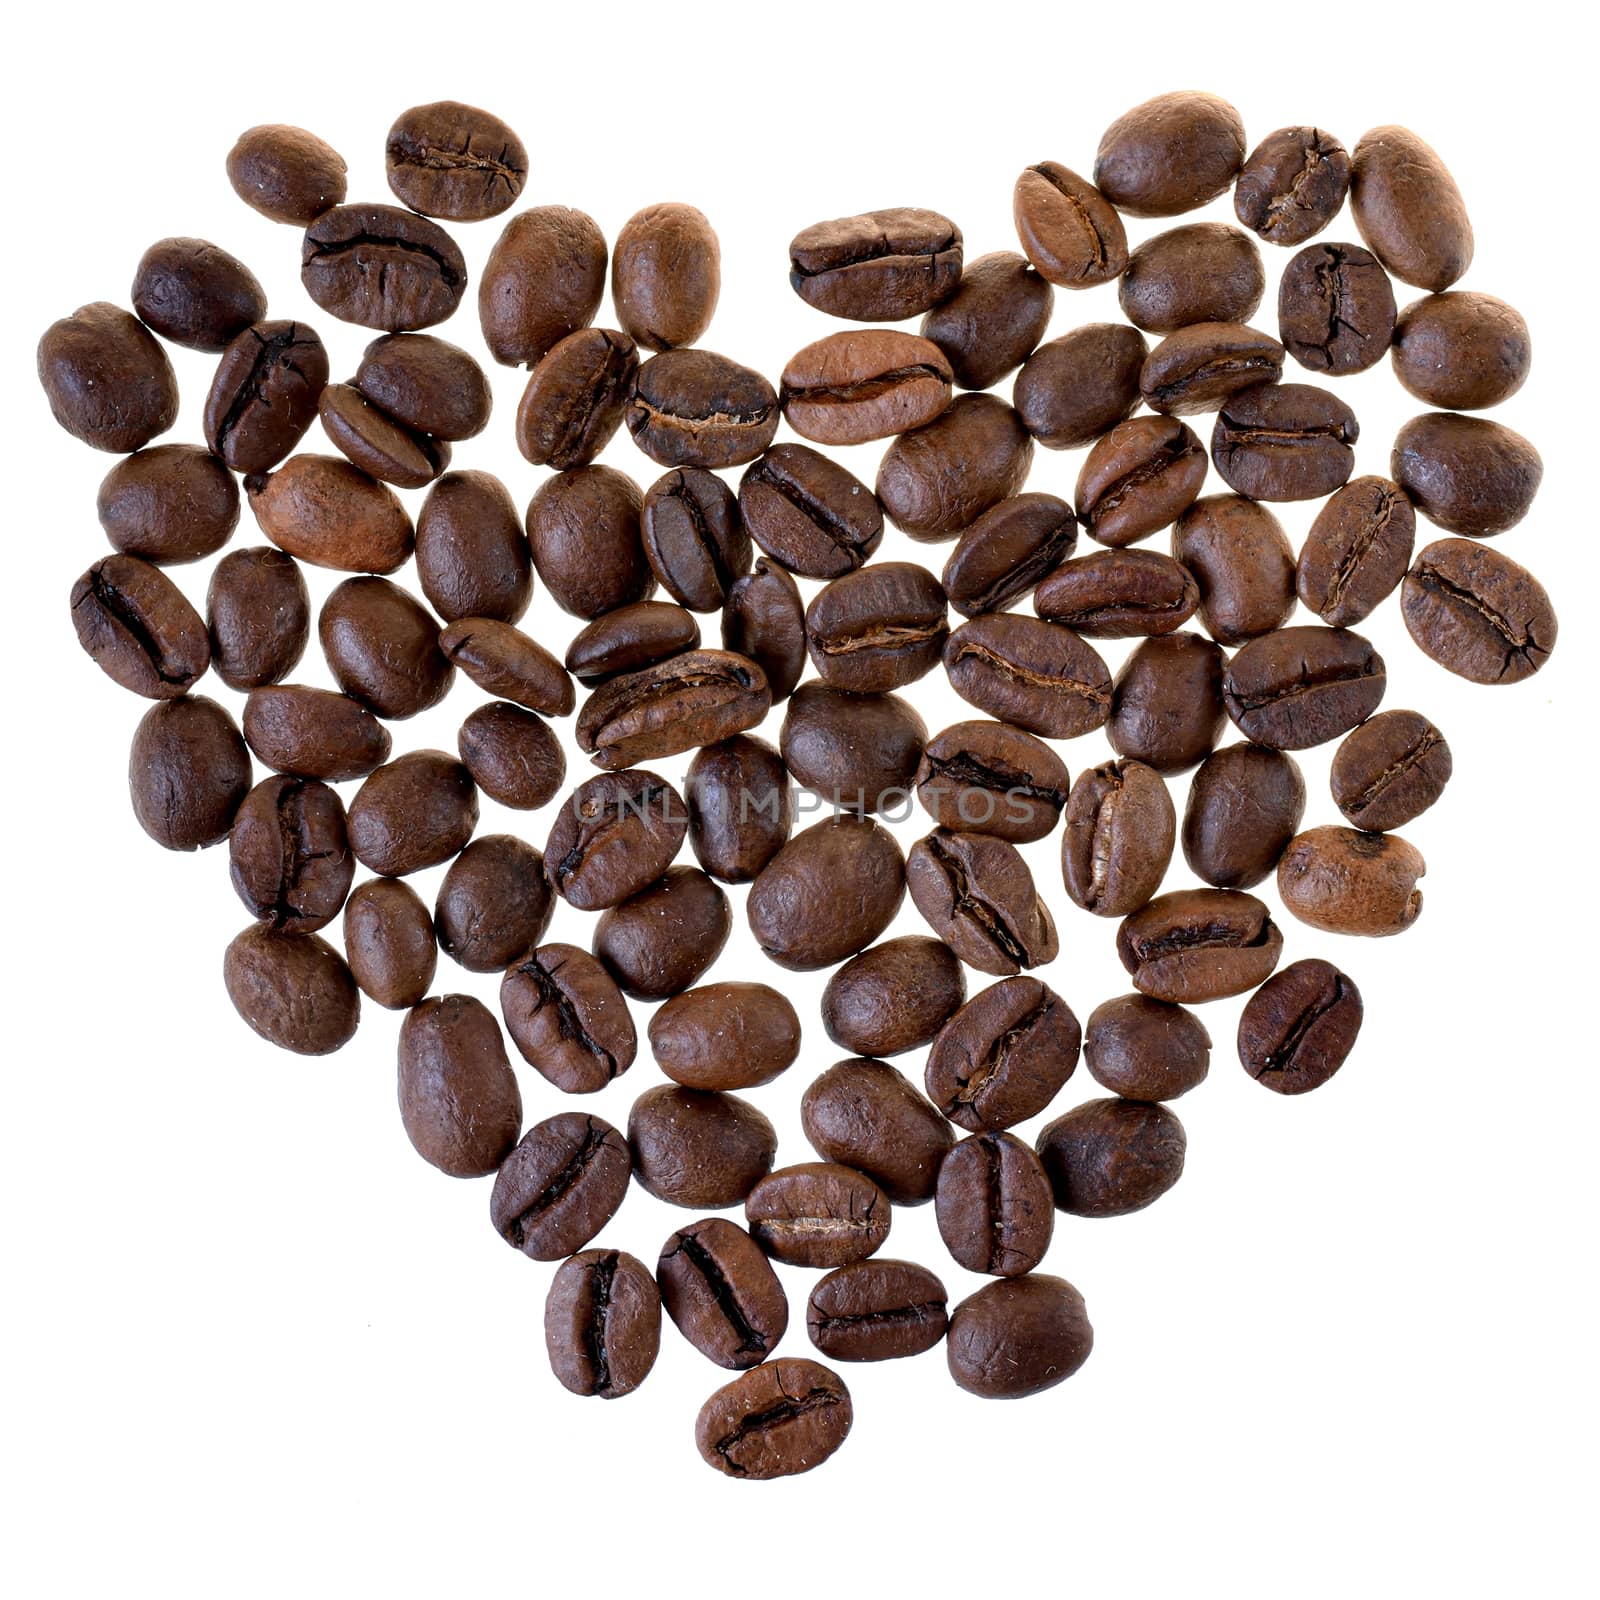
{"x": 666, "y": 275}
{"x": 1284, "y": 441}
{"x": 383, "y": 648}
{"x": 381, "y": 267}
{"x": 695, "y": 1148}
{"x": 858, "y": 751}
{"x": 195, "y": 294}
{"x": 1170, "y": 154}
{"x": 415, "y": 812}
{"x": 504, "y": 661}
{"x": 784, "y": 1417}
{"x": 863, "y": 1114}
{"x": 765, "y": 621}
{"x": 426, "y": 384}
{"x": 454, "y": 161}
{"x": 560, "y": 1186}
{"x": 1070, "y": 231}
{"x": 986, "y": 777}
{"x": 1461, "y": 351}
{"x": 389, "y": 943}
{"x": 1408, "y": 208}
{"x": 458, "y": 1095}
{"x": 286, "y": 174}
{"x": 808, "y": 513}
{"x": 881, "y": 266}
{"x": 1144, "y": 1049}
{"x": 314, "y": 733}
{"x": 1166, "y": 705}
{"x": 583, "y": 529}
{"x": 694, "y": 537}
{"x": 378, "y": 444}
{"x": 188, "y": 773}
{"x": 1032, "y": 674}
{"x": 1299, "y": 1026}
{"x": 168, "y": 504}
{"x": 602, "y": 1323}
{"x": 937, "y": 481}
{"x": 1292, "y": 185}
{"x": 1242, "y": 562}
{"x": 1138, "y": 479}
{"x": 741, "y": 809}
{"x": 996, "y": 316}
{"x": 1335, "y": 309}
{"x": 615, "y": 833}
{"x": 136, "y": 626}
{"x": 1201, "y": 272}
{"x": 472, "y": 556}
{"x": 1106, "y": 1158}
{"x": 693, "y": 408}
{"x": 1390, "y": 770}
{"x": 993, "y": 1206}
{"x": 288, "y": 854}
{"x": 644, "y": 634}
{"x": 512, "y": 756}
{"x": 725, "y": 1036}
{"x": 1301, "y": 687}
{"x": 877, "y": 1310}
{"x": 258, "y": 613}
{"x": 894, "y": 997}
{"x": 328, "y": 512}
{"x": 817, "y": 1214}
{"x": 108, "y": 381}
{"x": 852, "y": 388}
{"x": 661, "y": 941}
{"x": 1245, "y": 805}
{"x": 1118, "y": 839}
{"x": 1018, "y": 1337}
{"x": 567, "y": 1018}
{"x": 878, "y": 628}
{"x": 694, "y": 699}
{"x": 576, "y": 398}
{"x": 1008, "y": 551}
{"x": 977, "y": 894}
{"x": 543, "y": 280}
{"x": 494, "y": 904}
{"x": 1077, "y": 387}
{"x": 1467, "y": 474}
{"x": 1344, "y": 881}
{"x": 1195, "y": 945}
{"x": 1119, "y": 594}
{"x": 1357, "y": 551}
{"x": 293, "y": 990}
{"x": 1199, "y": 367}
{"x": 264, "y": 395}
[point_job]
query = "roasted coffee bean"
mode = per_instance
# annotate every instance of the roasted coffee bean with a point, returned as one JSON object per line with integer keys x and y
{"x": 1199, "y": 944}
{"x": 741, "y": 809}
{"x": 693, "y": 408}
{"x": 863, "y": 1114}
{"x": 829, "y": 892}
{"x": 1467, "y": 474}
{"x": 195, "y": 294}
{"x": 660, "y": 941}
{"x": 614, "y": 834}
{"x": 288, "y": 854}
{"x": 512, "y": 756}
{"x": 454, "y": 161}
{"x": 1292, "y": 185}
{"x": 631, "y": 637}
{"x": 314, "y": 733}
{"x": 993, "y": 1205}
{"x": 1018, "y": 1337}
{"x": 877, "y": 1310}
{"x": 1284, "y": 441}
{"x": 602, "y": 1323}
{"x": 1335, "y": 309}
{"x": 996, "y": 316}
{"x": 1298, "y": 1027}
{"x": 851, "y": 388}
{"x": 323, "y": 510}
{"x": 543, "y": 280}
{"x": 881, "y": 266}
{"x": 286, "y": 173}
{"x": 293, "y": 990}
{"x": 693, "y": 699}
{"x": 1081, "y": 385}
{"x": 575, "y": 398}
{"x": 1069, "y": 230}
{"x": 383, "y": 648}
{"x": 1008, "y": 551}
{"x": 378, "y": 444}
{"x": 1032, "y": 674}
{"x": 977, "y": 894}
{"x": 785, "y": 1417}
{"x": 666, "y": 275}
{"x": 817, "y": 1214}
{"x": 417, "y": 811}
{"x": 1199, "y": 367}
{"x": 583, "y": 528}
{"x": 939, "y": 480}
{"x": 264, "y": 395}
{"x": 1144, "y": 1049}
{"x": 494, "y": 904}
{"x": 1357, "y": 551}
{"x": 725, "y": 1036}
{"x": 1004, "y": 1056}
{"x": 458, "y": 1095}
{"x": 1344, "y": 881}
{"x": 858, "y": 751}
{"x": 381, "y": 267}
{"x": 426, "y": 385}
{"x": 389, "y": 943}
{"x": 986, "y": 777}
{"x": 562, "y": 1184}
{"x": 1201, "y": 272}
{"x": 1170, "y": 154}
{"x": 878, "y": 628}
{"x": 504, "y": 661}
{"x": 258, "y": 613}
{"x": 1391, "y": 769}
{"x": 1138, "y": 479}
{"x": 1408, "y": 209}
{"x": 1301, "y": 687}
{"x": 567, "y": 1018}
{"x": 136, "y": 626}
{"x": 765, "y": 621}
{"x": 188, "y": 773}
{"x": 1242, "y": 562}
{"x": 1461, "y": 351}
{"x": 694, "y": 537}
{"x": 1118, "y": 838}
{"x": 695, "y": 1148}
{"x": 1166, "y": 705}
{"x": 1119, "y": 594}
{"x": 1106, "y": 1158}
{"x": 472, "y": 557}
{"x": 809, "y": 513}
{"x": 107, "y": 380}
{"x": 1245, "y": 805}
{"x": 169, "y": 504}
{"x": 894, "y": 997}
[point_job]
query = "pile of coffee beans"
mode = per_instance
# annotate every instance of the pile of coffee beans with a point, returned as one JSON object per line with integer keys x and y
{"x": 733, "y": 523}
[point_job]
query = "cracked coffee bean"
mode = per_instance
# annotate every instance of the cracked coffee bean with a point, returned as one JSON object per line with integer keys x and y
{"x": 1344, "y": 881}
{"x": 504, "y": 661}
{"x": 1170, "y": 154}
{"x": 937, "y": 481}
{"x": 258, "y": 614}
{"x": 1301, "y": 687}
{"x": 694, "y": 537}
{"x": 765, "y": 621}
{"x": 988, "y": 326}
{"x": 325, "y": 511}
{"x": 1198, "y": 368}
{"x": 986, "y": 777}
{"x": 1195, "y": 945}
{"x": 289, "y": 856}
{"x": 1138, "y": 479}
{"x": 977, "y": 894}
{"x": 458, "y": 1095}
{"x": 1461, "y": 351}
{"x": 264, "y": 395}
{"x": 852, "y": 388}
{"x": 858, "y": 751}
{"x": 615, "y": 833}
{"x": 1032, "y": 674}
{"x": 1284, "y": 441}
{"x": 389, "y": 943}
{"x": 1467, "y": 474}
{"x": 543, "y": 280}
{"x": 698, "y": 698}
{"x": 108, "y": 381}
{"x": 1144, "y": 1049}
{"x": 817, "y": 1214}
{"x": 293, "y": 989}
{"x": 560, "y": 1186}
{"x": 195, "y": 294}
{"x": 1106, "y": 1158}
{"x": 741, "y": 808}
{"x": 881, "y": 266}
{"x": 693, "y": 408}
{"x": 697, "y": 1148}
{"x": 1018, "y": 1337}
{"x": 1119, "y": 594}
{"x": 494, "y": 904}
{"x": 426, "y": 385}
{"x": 1357, "y": 551}
{"x": 666, "y": 275}
{"x": 1117, "y": 845}
{"x": 382, "y": 648}
{"x": 576, "y": 397}
{"x": 645, "y": 634}
{"x": 168, "y": 504}
{"x": 378, "y": 444}
{"x": 602, "y": 1323}
{"x": 1245, "y": 805}
{"x": 314, "y": 733}
{"x": 1077, "y": 387}
{"x": 1297, "y": 1029}
{"x": 1243, "y": 564}
{"x": 416, "y": 812}
{"x": 1389, "y": 771}
{"x": 1336, "y": 310}
{"x": 472, "y": 556}
{"x": 1008, "y": 551}
{"x": 1166, "y": 706}
{"x": 512, "y": 756}
{"x": 785, "y": 1417}
{"x": 725, "y": 1036}
{"x": 286, "y": 174}
{"x": 877, "y": 1310}
{"x": 1292, "y": 185}
{"x": 1408, "y": 208}
{"x": 1069, "y": 230}
{"x": 567, "y": 1018}
{"x": 877, "y": 628}
{"x": 863, "y": 1114}
{"x": 894, "y": 997}
{"x": 136, "y": 626}
{"x": 993, "y": 1206}
{"x": 808, "y": 513}
{"x": 188, "y": 773}
{"x": 661, "y": 940}
{"x": 454, "y": 161}
{"x": 381, "y": 267}
{"x": 1201, "y": 272}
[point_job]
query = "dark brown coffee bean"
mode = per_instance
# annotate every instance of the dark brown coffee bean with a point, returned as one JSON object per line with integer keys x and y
{"x": 1199, "y": 367}
{"x": 314, "y": 733}
{"x": 1467, "y": 474}
{"x": 264, "y": 395}
{"x": 504, "y": 661}
{"x": 614, "y": 834}
{"x": 583, "y": 527}
{"x": 389, "y": 943}
{"x": 286, "y": 173}
{"x": 1245, "y": 805}
{"x": 863, "y": 1114}
{"x": 383, "y": 648}
{"x": 977, "y": 894}
{"x": 1299, "y": 1027}
{"x": 725, "y": 1036}
{"x": 455, "y": 161}
{"x": 1301, "y": 687}
{"x": 1031, "y": 674}
{"x": 288, "y": 854}
{"x": 660, "y": 941}
{"x": 169, "y": 504}
{"x": 996, "y": 316}
{"x": 1292, "y": 185}
{"x": 1144, "y": 1049}
{"x": 641, "y": 635}
{"x": 698, "y": 1149}
{"x": 381, "y": 267}
{"x": 1390, "y": 770}
{"x": 1008, "y": 551}
{"x": 1118, "y": 839}
{"x": 881, "y": 266}
{"x": 543, "y": 280}
{"x": 858, "y": 751}
{"x": 562, "y": 1184}
{"x": 939, "y": 480}
{"x": 323, "y": 510}
{"x": 741, "y": 809}
{"x": 136, "y": 626}
{"x": 458, "y": 1095}
{"x": 1242, "y": 562}
{"x": 1201, "y": 272}
{"x": 1166, "y": 706}
{"x": 694, "y": 699}
{"x": 1343, "y": 881}
{"x": 1106, "y": 1158}
{"x": 666, "y": 275}
{"x": 878, "y": 628}
{"x": 876, "y": 1310}
{"x": 993, "y": 1205}
{"x": 987, "y": 777}
{"x": 1069, "y": 230}
{"x": 1018, "y": 1337}
{"x": 851, "y": 388}
{"x": 1357, "y": 551}
{"x": 693, "y": 408}
{"x": 694, "y": 537}
{"x": 292, "y": 989}
{"x": 602, "y": 1323}
{"x": 107, "y": 380}
{"x": 894, "y": 997}
{"x": 784, "y": 1417}
{"x": 378, "y": 444}
{"x": 494, "y": 904}
{"x": 575, "y": 398}
{"x": 567, "y": 1018}
{"x": 195, "y": 294}
{"x": 1195, "y": 945}
{"x": 1170, "y": 154}
{"x": 1461, "y": 351}
{"x": 472, "y": 557}
{"x": 1408, "y": 208}
{"x": 512, "y": 756}
{"x": 258, "y": 613}
{"x": 1119, "y": 594}
{"x": 1335, "y": 309}
{"x": 817, "y": 1214}
{"x": 1077, "y": 387}
{"x": 426, "y": 385}
{"x": 809, "y": 513}
{"x": 188, "y": 773}
{"x": 1138, "y": 479}
{"x": 1284, "y": 441}
{"x": 765, "y": 621}
{"x": 417, "y": 811}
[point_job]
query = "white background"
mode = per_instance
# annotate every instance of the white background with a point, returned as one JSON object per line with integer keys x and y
{"x": 255, "y": 1345}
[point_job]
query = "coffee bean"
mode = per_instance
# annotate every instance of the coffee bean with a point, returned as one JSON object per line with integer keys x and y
{"x": 286, "y": 173}
{"x": 416, "y": 812}
{"x": 494, "y": 904}
{"x": 560, "y": 1186}
{"x": 1170, "y": 154}
{"x": 1301, "y": 687}
{"x": 725, "y": 1036}
{"x": 1335, "y": 309}
{"x": 1195, "y": 945}
{"x": 1299, "y": 1026}
{"x": 602, "y": 1323}
{"x": 693, "y": 408}
{"x": 389, "y": 943}
{"x": 876, "y": 1310}
{"x": 543, "y": 280}
{"x": 107, "y": 380}
{"x": 576, "y": 397}
{"x": 289, "y": 856}
{"x": 859, "y": 751}
{"x": 136, "y": 626}
{"x": 694, "y": 537}
{"x": 863, "y": 1114}
{"x": 1018, "y": 1337}
{"x": 567, "y": 1018}
{"x": 195, "y": 294}
{"x": 1461, "y": 351}
{"x": 809, "y": 513}
{"x": 1344, "y": 881}
{"x": 1106, "y": 1158}
{"x": 1069, "y": 230}
{"x": 993, "y": 1205}
{"x": 1138, "y": 478}
{"x": 693, "y": 699}
{"x": 695, "y": 1148}
{"x": 977, "y": 894}
{"x": 1467, "y": 474}
{"x": 614, "y": 834}
{"x": 764, "y": 621}
{"x": 784, "y": 1417}
{"x": 1119, "y": 594}
{"x": 661, "y": 941}
{"x": 381, "y": 267}
{"x": 583, "y": 528}
{"x": 455, "y": 161}
{"x": 881, "y": 266}
{"x": 1118, "y": 839}
{"x": 1077, "y": 387}
{"x": 1292, "y": 185}
{"x": 264, "y": 395}
{"x": 188, "y": 773}
{"x": 378, "y": 444}
{"x": 1245, "y": 805}
{"x": 644, "y": 634}
{"x": 323, "y": 510}
{"x": 1198, "y": 368}
{"x": 996, "y": 316}
{"x": 939, "y": 480}
{"x": 1390, "y": 770}
{"x": 458, "y": 1096}
{"x": 293, "y": 990}
{"x": 986, "y": 777}
{"x": 1008, "y": 551}
{"x": 666, "y": 275}
{"x": 817, "y": 1214}
{"x": 877, "y": 628}
{"x": 1166, "y": 705}
{"x": 169, "y": 504}
{"x": 1201, "y": 272}
{"x": 258, "y": 614}
{"x": 1357, "y": 551}
{"x": 1284, "y": 441}
{"x": 1242, "y": 562}
{"x": 894, "y": 997}
{"x": 1408, "y": 208}
{"x": 1031, "y": 674}
{"x": 504, "y": 661}
{"x": 1144, "y": 1049}
{"x": 851, "y": 388}
{"x": 314, "y": 733}
{"x": 426, "y": 385}
{"x": 472, "y": 557}
{"x": 512, "y": 756}
{"x": 383, "y": 648}
{"x": 741, "y": 809}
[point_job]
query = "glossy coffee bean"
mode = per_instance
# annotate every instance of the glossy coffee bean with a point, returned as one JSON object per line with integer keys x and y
{"x": 1461, "y": 351}
{"x": 666, "y": 275}
{"x": 560, "y": 1186}
{"x": 1466, "y": 474}
{"x": 1344, "y": 881}
{"x": 1292, "y": 185}
{"x": 881, "y": 266}
{"x": 1170, "y": 154}
{"x": 977, "y": 894}
{"x": 877, "y": 1310}
{"x": 389, "y": 943}
{"x": 1106, "y": 1158}
{"x": 741, "y": 809}
{"x": 451, "y": 160}
{"x": 288, "y": 854}
{"x": 1284, "y": 441}
{"x": 1196, "y": 369}
{"x": 1299, "y": 1027}
{"x": 1201, "y": 272}
{"x": 293, "y": 990}
{"x": 1336, "y": 310}
{"x": 986, "y": 777}
{"x": 785, "y": 1417}
{"x": 188, "y": 773}
{"x": 1018, "y": 1337}
{"x": 858, "y": 751}
{"x": 314, "y": 733}
{"x": 614, "y": 834}
{"x": 1144, "y": 1049}
{"x": 1390, "y": 770}
{"x": 644, "y": 634}
{"x": 1245, "y": 805}
{"x": 1032, "y": 674}
{"x": 286, "y": 174}
{"x": 1195, "y": 945}
{"x": 543, "y": 280}
{"x": 494, "y": 904}
{"x": 195, "y": 294}
{"x": 512, "y": 756}
{"x": 725, "y": 1036}
{"x": 1008, "y": 551}
{"x": 1357, "y": 551}
{"x": 1301, "y": 687}
{"x": 937, "y": 481}
{"x": 136, "y": 626}
{"x": 1138, "y": 479}
{"x": 863, "y": 1114}
{"x": 258, "y": 613}
{"x": 383, "y": 648}
{"x": 426, "y": 384}
{"x": 694, "y": 699}
{"x": 1408, "y": 208}
{"x": 878, "y": 628}
{"x": 1166, "y": 705}
{"x": 583, "y": 529}
{"x": 381, "y": 267}
{"x": 1117, "y": 844}
{"x": 693, "y": 408}
{"x": 1119, "y": 594}
{"x": 765, "y": 621}
{"x": 576, "y": 397}
{"x": 988, "y": 326}
{"x": 1077, "y": 387}
{"x": 472, "y": 556}
{"x": 993, "y": 1205}
{"x": 168, "y": 504}
{"x": 817, "y": 1214}
{"x": 107, "y": 380}
{"x": 416, "y": 812}
{"x": 567, "y": 1018}
{"x": 851, "y": 388}
{"x": 325, "y": 511}
{"x": 504, "y": 661}
{"x": 695, "y": 1148}
{"x": 694, "y": 537}
{"x": 1242, "y": 562}
{"x": 264, "y": 395}
{"x": 660, "y": 941}
{"x": 458, "y": 1096}
{"x": 1070, "y": 231}
{"x": 376, "y": 443}
{"x": 602, "y": 1323}
{"x": 894, "y": 997}
{"x": 808, "y": 513}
